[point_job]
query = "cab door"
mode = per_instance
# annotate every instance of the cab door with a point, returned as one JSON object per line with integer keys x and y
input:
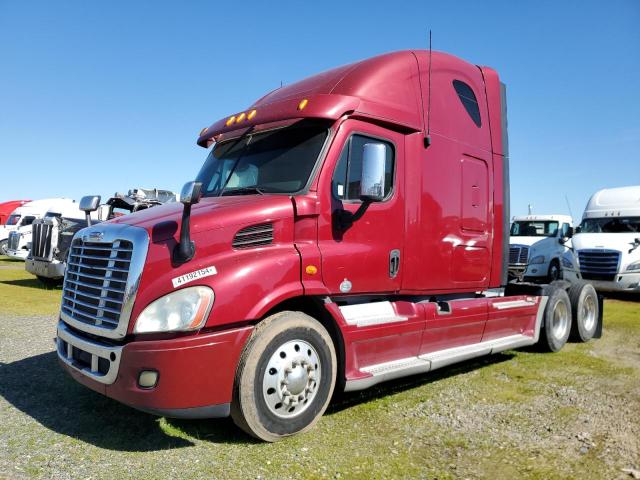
{"x": 361, "y": 245}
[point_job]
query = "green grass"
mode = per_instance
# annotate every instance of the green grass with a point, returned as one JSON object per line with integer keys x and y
{"x": 22, "y": 293}
{"x": 11, "y": 262}
{"x": 494, "y": 417}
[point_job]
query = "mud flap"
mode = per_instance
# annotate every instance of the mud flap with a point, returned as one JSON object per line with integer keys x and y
{"x": 598, "y": 333}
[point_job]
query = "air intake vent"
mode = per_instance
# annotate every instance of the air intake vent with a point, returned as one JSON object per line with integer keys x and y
{"x": 254, "y": 236}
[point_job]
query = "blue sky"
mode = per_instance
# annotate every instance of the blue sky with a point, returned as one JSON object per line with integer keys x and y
{"x": 97, "y": 97}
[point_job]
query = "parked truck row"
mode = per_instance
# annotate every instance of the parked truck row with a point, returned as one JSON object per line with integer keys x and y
{"x": 40, "y": 232}
{"x": 603, "y": 249}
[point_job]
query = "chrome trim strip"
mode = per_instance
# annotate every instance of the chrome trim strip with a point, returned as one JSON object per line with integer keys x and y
{"x": 512, "y": 304}
{"x": 366, "y": 314}
{"x": 97, "y": 350}
{"x": 140, "y": 239}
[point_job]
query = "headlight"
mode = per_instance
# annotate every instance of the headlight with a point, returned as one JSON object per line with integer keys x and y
{"x": 566, "y": 263}
{"x": 538, "y": 259}
{"x": 633, "y": 267}
{"x": 180, "y": 311}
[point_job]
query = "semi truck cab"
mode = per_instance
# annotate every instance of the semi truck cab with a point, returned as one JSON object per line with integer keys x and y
{"x": 540, "y": 247}
{"x": 608, "y": 240}
{"x": 344, "y": 230}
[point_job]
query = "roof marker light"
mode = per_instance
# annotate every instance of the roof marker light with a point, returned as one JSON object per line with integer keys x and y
{"x": 241, "y": 117}
{"x": 230, "y": 120}
{"x": 252, "y": 114}
{"x": 303, "y": 104}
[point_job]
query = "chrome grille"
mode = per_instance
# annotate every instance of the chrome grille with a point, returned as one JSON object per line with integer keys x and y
{"x": 599, "y": 264}
{"x": 254, "y": 236}
{"x": 95, "y": 282}
{"x": 518, "y": 254}
{"x": 14, "y": 241}
{"x": 41, "y": 240}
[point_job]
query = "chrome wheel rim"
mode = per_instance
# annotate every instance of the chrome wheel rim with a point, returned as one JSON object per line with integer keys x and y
{"x": 291, "y": 378}
{"x": 588, "y": 313}
{"x": 559, "y": 320}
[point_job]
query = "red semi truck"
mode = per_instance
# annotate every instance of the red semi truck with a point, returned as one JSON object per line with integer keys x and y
{"x": 7, "y": 207}
{"x": 344, "y": 230}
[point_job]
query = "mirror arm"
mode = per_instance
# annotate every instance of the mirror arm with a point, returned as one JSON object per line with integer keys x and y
{"x": 346, "y": 218}
{"x": 186, "y": 249}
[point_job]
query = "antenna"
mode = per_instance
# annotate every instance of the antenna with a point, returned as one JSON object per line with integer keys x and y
{"x": 568, "y": 205}
{"x": 427, "y": 139}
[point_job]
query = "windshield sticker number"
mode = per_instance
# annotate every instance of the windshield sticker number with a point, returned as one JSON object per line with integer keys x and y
{"x": 191, "y": 276}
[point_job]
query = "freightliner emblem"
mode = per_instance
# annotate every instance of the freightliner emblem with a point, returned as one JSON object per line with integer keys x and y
{"x": 93, "y": 237}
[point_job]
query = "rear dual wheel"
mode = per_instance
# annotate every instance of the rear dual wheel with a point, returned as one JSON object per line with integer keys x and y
{"x": 586, "y": 311}
{"x": 285, "y": 377}
{"x": 557, "y": 320}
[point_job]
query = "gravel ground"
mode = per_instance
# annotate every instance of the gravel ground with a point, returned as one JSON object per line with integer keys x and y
{"x": 574, "y": 414}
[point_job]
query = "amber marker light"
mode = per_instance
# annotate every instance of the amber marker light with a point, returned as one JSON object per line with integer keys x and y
{"x": 241, "y": 117}
{"x": 311, "y": 269}
{"x": 252, "y": 114}
{"x": 230, "y": 120}
{"x": 303, "y": 104}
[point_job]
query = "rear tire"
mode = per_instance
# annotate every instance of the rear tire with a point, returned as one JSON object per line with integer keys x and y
{"x": 285, "y": 377}
{"x": 557, "y": 320}
{"x": 585, "y": 309}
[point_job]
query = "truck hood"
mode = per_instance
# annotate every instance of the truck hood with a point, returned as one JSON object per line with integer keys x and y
{"x": 608, "y": 241}
{"x": 536, "y": 242}
{"x": 211, "y": 213}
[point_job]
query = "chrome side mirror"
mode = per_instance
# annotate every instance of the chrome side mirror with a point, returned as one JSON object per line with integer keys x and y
{"x": 89, "y": 204}
{"x": 191, "y": 193}
{"x": 374, "y": 156}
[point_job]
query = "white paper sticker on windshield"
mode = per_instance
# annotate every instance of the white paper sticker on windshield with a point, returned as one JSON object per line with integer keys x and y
{"x": 191, "y": 276}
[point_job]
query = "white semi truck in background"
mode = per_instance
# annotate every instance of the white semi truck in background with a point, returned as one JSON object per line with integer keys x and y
{"x": 607, "y": 242}
{"x": 16, "y": 234}
{"x": 52, "y": 235}
{"x": 540, "y": 247}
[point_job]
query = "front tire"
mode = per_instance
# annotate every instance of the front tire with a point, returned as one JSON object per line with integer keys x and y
{"x": 4, "y": 246}
{"x": 555, "y": 272}
{"x": 586, "y": 310}
{"x": 285, "y": 377}
{"x": 557, "y": 320}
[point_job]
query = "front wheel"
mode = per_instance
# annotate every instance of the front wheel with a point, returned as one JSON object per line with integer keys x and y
{"x": 4, "y": 246}
{"x": 285, "y": 377}
{"x": 554, "y": 273}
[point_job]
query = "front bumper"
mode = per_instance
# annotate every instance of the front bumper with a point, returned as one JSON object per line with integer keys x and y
{"x": 195, "y": 373}
{"x": 42, "y": 268}
{"x": 623, "y": 282}
{"x": 19, "y": 254}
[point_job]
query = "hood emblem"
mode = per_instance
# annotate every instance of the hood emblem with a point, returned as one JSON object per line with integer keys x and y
{"x": 345, "y": 286}
{"x": 93, "y": 237}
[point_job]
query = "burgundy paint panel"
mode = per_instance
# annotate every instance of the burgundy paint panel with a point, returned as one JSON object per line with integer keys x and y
{"x": 511, "y": 321}
{"x": 463, "y": 326}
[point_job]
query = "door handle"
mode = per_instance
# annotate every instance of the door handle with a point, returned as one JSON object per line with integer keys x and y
{"x": 394, "y": 263}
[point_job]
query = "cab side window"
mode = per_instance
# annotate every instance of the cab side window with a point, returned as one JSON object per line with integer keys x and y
{"x": 346, "y": 177}
{"x": 27, "y": 221}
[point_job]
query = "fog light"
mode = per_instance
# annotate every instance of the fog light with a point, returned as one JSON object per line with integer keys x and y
{"x": 147, "y": 379}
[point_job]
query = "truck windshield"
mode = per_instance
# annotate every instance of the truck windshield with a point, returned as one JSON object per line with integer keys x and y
{"x": 534, "y": 229}
{"x": 611, "y": 225}
{"x": 13, "y": 219}
{"x": 277, "y": 161}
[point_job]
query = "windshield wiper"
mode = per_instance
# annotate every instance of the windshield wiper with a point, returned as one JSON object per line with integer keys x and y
{"x": 242, "y": 191}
